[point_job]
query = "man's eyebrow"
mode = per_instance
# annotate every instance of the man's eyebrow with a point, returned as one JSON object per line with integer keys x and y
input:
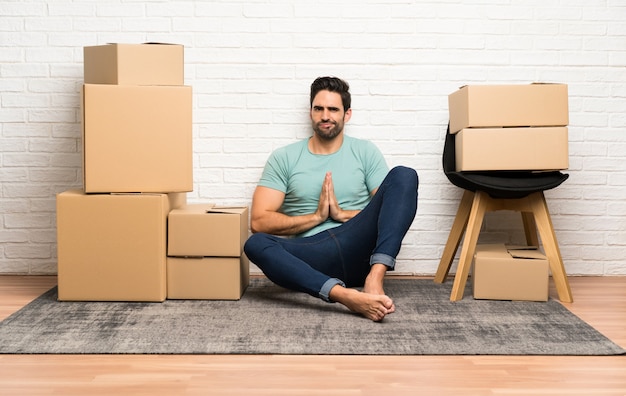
{"x": 331, "y": 108}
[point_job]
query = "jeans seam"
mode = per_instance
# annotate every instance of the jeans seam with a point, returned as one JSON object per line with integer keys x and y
{"x": 338, "y": 245}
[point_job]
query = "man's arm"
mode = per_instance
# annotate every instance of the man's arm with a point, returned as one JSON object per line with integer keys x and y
{"x": 265, "y": 217}
{"x": 266, "y": 202}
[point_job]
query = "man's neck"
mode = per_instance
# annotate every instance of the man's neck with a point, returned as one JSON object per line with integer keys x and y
{"x": 325, "y": 147}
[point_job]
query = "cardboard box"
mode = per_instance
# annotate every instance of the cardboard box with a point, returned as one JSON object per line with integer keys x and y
{"x": 487, "y": 106}
{"x": 510, "y": 273}
{"x": 479, "y": 149}
{"x": 112, "y": 247}
{"x": 205, "y": 230}
{"x": 207, "y": 278}
{"x": 134, "y": 64}
{"x": 137, "y": 139}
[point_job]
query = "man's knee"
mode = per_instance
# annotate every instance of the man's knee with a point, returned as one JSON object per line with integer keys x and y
{"x": 255, "y": 244}
{"x": 405, "y": 175}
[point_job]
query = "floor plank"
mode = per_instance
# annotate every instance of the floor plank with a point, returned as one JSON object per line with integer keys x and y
{"x": 600, "y": 301}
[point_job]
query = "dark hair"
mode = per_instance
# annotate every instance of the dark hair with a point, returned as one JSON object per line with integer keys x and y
{"x": 332, "y": 84}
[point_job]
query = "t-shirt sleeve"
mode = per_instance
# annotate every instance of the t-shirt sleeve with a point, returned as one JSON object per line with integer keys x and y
{"x": 376, "y": 168}
{"x": 276, "y": 172}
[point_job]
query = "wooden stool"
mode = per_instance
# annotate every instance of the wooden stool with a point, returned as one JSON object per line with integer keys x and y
{"x": 469, "y": 220}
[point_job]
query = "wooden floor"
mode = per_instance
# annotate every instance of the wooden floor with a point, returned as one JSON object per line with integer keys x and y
{"x": 601, "y": 301}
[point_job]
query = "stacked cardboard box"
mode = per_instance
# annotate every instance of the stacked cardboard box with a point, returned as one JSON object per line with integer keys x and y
{"x": 205, "y": 252}
{"x": 137, "y": 119}
{"x": 510, "y": 127}
{"x": 137, "y": 166}
{"x": 112, "y": 247}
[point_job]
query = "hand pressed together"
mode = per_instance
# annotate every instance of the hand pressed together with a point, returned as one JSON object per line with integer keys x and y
{"x": 329, "y": 206}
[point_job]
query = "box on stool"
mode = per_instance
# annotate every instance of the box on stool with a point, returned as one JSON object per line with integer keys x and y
{"x": 112, "y": 247}
{"x": 207, "y": 278}
{"x": 523, "y": 105}
{"x": 510, "y": 273}
{"x": 539, "y": 148}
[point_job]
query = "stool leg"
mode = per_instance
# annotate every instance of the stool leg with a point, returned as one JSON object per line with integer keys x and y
{"x": 530, "y": 229}
{"x": 477, "y": 214}
{"x": 454, "y": 238}
{"x": 550, "y": 245}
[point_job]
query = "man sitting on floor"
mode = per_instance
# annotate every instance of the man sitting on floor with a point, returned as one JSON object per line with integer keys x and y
{"x": 344, "y": 212}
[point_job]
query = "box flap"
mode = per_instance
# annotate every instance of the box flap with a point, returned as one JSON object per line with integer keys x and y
{"x": 490, "y": 250}
{"x": 521, "y": 247}
{"x": 226, "y": 209}
{"x": 532, "y": 254}
{"x": 159, "y": 43}
{"x": 546, "y": 83}
{"x": 144, "y": 43}
{"x": 497, "y": 250}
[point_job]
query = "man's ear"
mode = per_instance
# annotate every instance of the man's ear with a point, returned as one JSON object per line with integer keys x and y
{"x": 347, "y": 115}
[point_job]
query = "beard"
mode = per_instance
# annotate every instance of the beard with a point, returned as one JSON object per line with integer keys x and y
{"x": 328, "y": 134}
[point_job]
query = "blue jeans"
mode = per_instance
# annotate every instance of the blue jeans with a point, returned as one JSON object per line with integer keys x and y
{"x": 342, "y": 255}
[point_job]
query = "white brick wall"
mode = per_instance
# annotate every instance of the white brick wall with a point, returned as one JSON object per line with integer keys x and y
{"x": 250, "y": 64}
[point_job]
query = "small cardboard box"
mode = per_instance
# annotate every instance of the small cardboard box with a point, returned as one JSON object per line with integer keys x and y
{"x": 207, "y": 278}
{"x": 206, "y": 230}
{"x": 134, "y": 64}
{"x": 488, "y": 106}
{"x": 540, "y": 149}
{"x": 510, "y": 273}
{"x": 112, "y": 247}
{"x": 137, "y": 138}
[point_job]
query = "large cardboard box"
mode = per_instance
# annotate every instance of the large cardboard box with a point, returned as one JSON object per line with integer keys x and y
{"x": 207, "y": 278}
{"x": 479, "y": 149}
{"x": 134, "y": 64}
{"x": 206, "y": 230}
{"x": 112, "y": 247}
{"x": 137, "y": 138}
{"x": 487, "y": 106}
{"x": 510, "y": 273}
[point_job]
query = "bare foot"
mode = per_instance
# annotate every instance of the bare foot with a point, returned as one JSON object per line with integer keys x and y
{"x": 373, "y": 285}
{"x": 374, "y": 282}
{"x": 375, "y": 278}
{"x": 372, "y": 306}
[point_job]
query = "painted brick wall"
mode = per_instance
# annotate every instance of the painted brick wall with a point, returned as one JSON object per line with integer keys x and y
{"x": 250, "y": 64}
